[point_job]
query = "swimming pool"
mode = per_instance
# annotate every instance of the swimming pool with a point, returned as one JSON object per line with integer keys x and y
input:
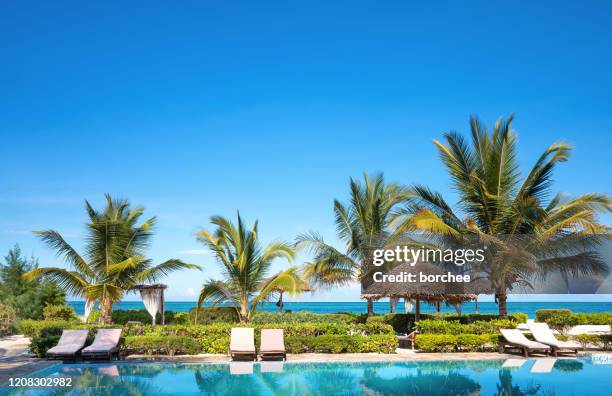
{"x": 584, "y": 376}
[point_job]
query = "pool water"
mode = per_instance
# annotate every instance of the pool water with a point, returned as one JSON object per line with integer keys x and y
{"x": 584, "y": 376}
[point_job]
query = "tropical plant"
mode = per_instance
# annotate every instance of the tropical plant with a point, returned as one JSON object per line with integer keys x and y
{"x": 526, "y": 233}
{"x": 114, "y": 260}
{"x": 27, "y": 298}
{"x": 363, "y": 226}
{"x": 245, "y": 267}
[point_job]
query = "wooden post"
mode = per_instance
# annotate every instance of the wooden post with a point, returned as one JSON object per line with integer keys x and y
{"x": 417, "y": 312}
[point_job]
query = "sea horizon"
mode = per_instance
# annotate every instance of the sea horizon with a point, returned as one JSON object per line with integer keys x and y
{"x": 380, "y": 307}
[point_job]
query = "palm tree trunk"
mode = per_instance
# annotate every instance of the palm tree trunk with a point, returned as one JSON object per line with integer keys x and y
{"x": 106, "y": 311}
{"x": 244, "y": 314}
{"x": 501, "y": 303}
{"x": 370, "y": 307}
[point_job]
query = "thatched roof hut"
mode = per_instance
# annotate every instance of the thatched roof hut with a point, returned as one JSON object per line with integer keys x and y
{"x": 432, "y": 292}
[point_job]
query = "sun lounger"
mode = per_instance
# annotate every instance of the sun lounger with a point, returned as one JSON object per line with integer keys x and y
{"x": 69, "y": 345}
{"x": 543, "y": 334}
{"x": 105, "y": 345}
{"x": 272, "y": 344}
{"x": 543, "y": 365}
{"x": 242, "y": 343}
{"x": 515, "y": 339}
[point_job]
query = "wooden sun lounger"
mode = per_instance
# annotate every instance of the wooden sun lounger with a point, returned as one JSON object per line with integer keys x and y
{"x": 104, "y": 346}
{"x": 242, "y": 343}
{"x": 69, "y": 345}
{"x": 543, "y": 334}
{"x": 513, "y": 338}
{"x": 272, "y": 344}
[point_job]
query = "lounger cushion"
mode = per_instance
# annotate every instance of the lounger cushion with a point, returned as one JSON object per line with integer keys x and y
{"x": 542, "y": 333}
{"x": 272, "y": 341}
{"x": 106, "y": 340}
{"x": 242, "y": 340}
{"x": 69, "y": 343}
{"x": 516, "y": 337}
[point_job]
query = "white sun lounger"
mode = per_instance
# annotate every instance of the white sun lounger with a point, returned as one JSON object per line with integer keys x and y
{"x": 69, "y": 345}
{"x": 543, "y": 334}
{"x": 242, "y": 343}
{"x": 105, "y": 345}
{"x": 272, "y": 344}
{"x": 515, "y": 339}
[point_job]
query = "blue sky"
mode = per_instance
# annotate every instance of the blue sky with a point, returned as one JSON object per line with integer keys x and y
{"x": 204, "y": 108}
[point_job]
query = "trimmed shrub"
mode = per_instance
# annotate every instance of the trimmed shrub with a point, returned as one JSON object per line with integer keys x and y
{"x": 458, "y": 342}
{"x": 59, "y": 312}
{"x": 542, "y": 315}
{"x": 300, "y": 317}
{"x": 588, "y": 340}
{"x": 436, "y": 342}
{"x": 169, "y": 345}
{"x": 454, "y": 327}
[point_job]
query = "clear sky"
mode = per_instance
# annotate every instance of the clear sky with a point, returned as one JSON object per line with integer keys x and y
{"x": 203, "y": 108}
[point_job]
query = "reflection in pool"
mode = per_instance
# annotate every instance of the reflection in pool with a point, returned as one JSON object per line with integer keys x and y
{"x": 511, "y": 377}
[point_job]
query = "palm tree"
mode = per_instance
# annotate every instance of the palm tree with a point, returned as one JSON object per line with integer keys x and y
{"x": 245, "y": 267}
{"x": 363, "y": 226}
{"x": 114, "y": 259}
{"x": 526, "y": 233}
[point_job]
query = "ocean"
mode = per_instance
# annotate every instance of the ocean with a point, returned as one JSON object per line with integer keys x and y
{"x": 381, "y": 307}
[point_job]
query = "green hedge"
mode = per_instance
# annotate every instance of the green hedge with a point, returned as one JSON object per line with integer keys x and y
{"x": 302, "y": 317}
{"x": 403, "y": 323}
{"x": 563, "y": 319}
{"x": 214, "y": 338}
{"x": 455, "y": 327}
{"x": 456, "y": 342}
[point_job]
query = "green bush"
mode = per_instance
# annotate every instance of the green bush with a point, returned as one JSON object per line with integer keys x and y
{"x": 543, "y": 314}
{"x": 588, "y": 340}
{"x": 454, "y": 327}
{"x": 436, "y": 342}
{"x": 59, "y": 312}
{"x": 168, "y": 345}
{"x": 405, "y": 323}
{"x": 213, "y": 315}
{"x": 40, "y": 345}
{"x": 458, "y": 342}
{"x": 300, "y": 317}
{"x": 33, "y": 328}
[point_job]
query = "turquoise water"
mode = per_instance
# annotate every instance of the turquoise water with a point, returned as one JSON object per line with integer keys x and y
{"x": 488, "y": 377}
{"x": 382, "y": 307}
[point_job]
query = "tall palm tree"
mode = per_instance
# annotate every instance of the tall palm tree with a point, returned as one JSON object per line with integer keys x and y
{"x": 114, "y": 259}
{"x": 245, "y": 266}
{"x": 363, "y": 226}
{"x": 527, "y": 233}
